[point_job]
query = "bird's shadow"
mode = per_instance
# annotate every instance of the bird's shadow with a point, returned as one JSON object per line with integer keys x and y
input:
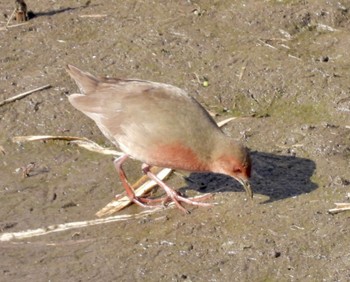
{"x": 32, "y": 14}
{"x": 275, "y": 176}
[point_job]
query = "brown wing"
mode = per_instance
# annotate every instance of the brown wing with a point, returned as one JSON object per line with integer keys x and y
{"x": 141, "y": 115}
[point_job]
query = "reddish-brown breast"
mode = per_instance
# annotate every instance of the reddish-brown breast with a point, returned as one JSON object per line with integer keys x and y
{"x": 177, "y": 156}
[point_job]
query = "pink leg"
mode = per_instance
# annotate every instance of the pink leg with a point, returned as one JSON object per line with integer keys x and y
{"x": 129, "y": 191}
{"x": 173, "y": 195}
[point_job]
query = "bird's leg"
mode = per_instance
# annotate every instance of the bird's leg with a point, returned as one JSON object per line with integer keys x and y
{"x": 173, "y": 195}
{"x": 129, "y": 191}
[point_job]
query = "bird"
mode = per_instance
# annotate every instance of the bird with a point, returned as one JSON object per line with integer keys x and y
{"x": 21, "y": 11}
{"x": 159, "y": 125}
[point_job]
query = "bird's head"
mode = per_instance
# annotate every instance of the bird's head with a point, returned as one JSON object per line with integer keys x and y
{"x": 235, "y": 161}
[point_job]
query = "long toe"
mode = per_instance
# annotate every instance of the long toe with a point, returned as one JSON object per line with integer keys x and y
{"x": 144, "y": 203}
{"x": 196, "y": 201}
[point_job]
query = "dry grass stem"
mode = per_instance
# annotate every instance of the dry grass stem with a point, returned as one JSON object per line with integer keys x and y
{"x": 294, "y": 57}
{"x": 340, "y": 207}
{"x": 47, "y": 137}
{"x": 324, "y": 27}
{"x": 267, "y": 45}
{"x": 14, "y": 25}
{"x": 242, "y": 70}
{"x": 22, "y": 95}
{"x": 53, "y": 244}
{"x": 5, "y": 237}
{"x": 81, "y": 142}
{"x": 124, "y": 201}
{"x": 225, "y": 121}
{"x": 197, "y": 77}
{"x": 10, "y": 18}
{"x": 94, "y": 147}
{"x": 71, "y": 225}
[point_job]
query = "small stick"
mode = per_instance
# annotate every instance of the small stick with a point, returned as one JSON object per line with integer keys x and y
{"x": 242, "y": 70}
{"x": 340, "y": 207}
{"x": 49, "y": 244}
{"x": 2, "y": 150}
{"x": 266, "y": 44}
{"x": 93, "y": 147}
{"x": 225, "y": 121}
{"x": 124, "y": 201}
{"x": 81, "y": 142}
{"x": 22, "y": 95}
{"x": 294, "y": 57}
{"x": 4, "y": 237}
{"x": 14, "y": 25}
{"x": 10, "y": 18}
{"x": 47, "y": 137}
{"x": 197, "y": 77}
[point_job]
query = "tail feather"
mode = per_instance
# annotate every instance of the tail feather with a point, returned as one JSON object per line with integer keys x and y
{"x": 86, "y": 82}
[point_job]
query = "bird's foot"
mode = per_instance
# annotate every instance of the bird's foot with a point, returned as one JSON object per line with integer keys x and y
{"x": 173, "y": 196}
{"x": 176, "y": 198}
{"x": 146, "y": 203}
{"x": 142, "y": 201}
{"x": 195, "y": 201}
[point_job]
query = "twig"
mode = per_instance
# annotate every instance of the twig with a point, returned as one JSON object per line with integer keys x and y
{"x": 294, "y": 57}
{"x": 71, "y": 225}
{"x": 2, "y": 150}
{"x": 197, "y": 77}
{"x": 94, "y": 147}
{"x": 10, "y": 18}
{"x": 323, "y": 27}
{"x": 47, "y": 137}
{"x": 124, "y": 201}
{"x": 13, "y": 25}
{"x": 80, "y": 141}
{"x": 22, "y": 95}
{"x": 225, "y": 121}
{"x": 268, "y": 45}
{"x": 53, "y": 244}
{"x": 242, "y": 70}
{"x": 5, "y": 237}
{"x": 340, "y": 207}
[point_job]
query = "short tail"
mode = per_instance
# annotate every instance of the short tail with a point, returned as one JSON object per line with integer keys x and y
{"x": 86, "y": 82}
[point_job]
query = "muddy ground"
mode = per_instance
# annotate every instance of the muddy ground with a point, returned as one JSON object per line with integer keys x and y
{"x": 282, "y": 67}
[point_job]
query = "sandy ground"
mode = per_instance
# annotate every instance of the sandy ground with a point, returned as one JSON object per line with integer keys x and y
{"x": 282, "y": 67}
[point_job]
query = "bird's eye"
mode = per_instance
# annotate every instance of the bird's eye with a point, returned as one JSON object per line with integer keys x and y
{"x": 237, "y": 170}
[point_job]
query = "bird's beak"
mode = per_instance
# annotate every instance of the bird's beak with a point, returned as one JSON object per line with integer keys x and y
{"x": 247, "y": 188}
